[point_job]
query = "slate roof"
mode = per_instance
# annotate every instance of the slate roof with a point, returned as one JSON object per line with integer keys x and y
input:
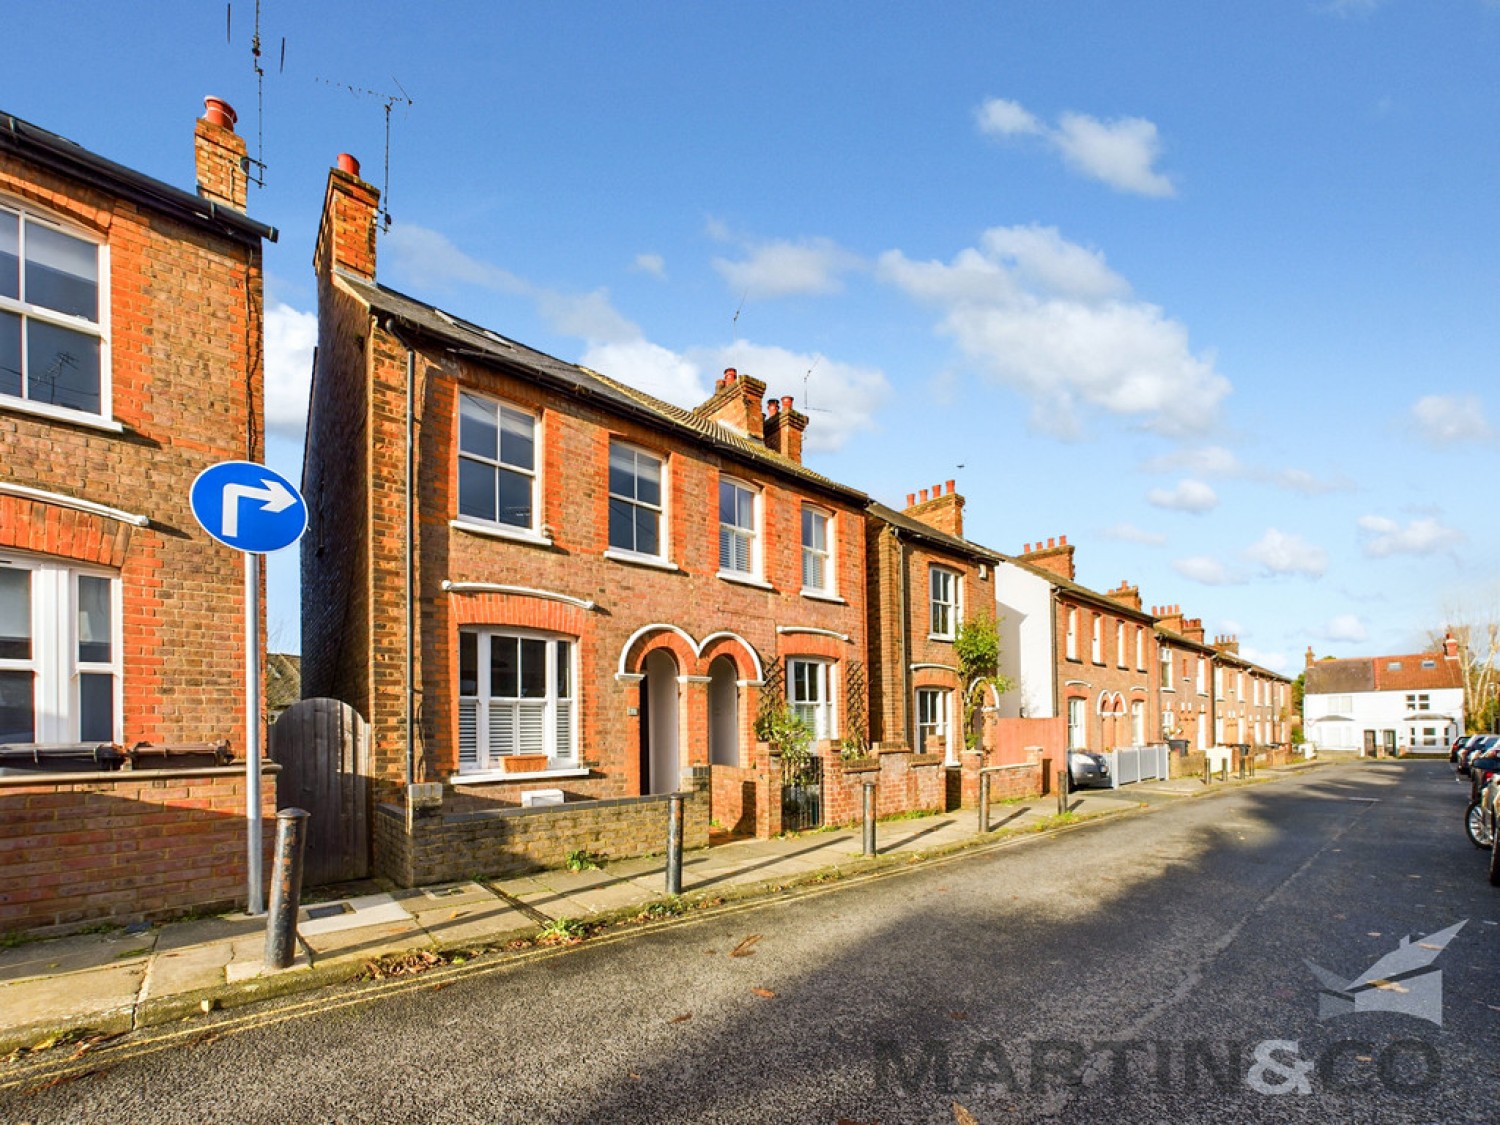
{"x": 1339, "y": 677}
{"x": 1374, "y": 673}
{"x": 916, "y": 529}
{"x": 470, "y": 340}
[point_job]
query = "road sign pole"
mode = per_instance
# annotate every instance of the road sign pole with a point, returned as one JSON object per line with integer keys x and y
{"x": 252, "y": 734}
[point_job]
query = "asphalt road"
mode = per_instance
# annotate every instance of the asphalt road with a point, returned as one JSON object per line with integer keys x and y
{"x": 1144, "y": 969}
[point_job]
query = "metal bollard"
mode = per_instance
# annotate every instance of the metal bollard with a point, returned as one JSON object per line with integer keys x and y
{"x": 1061, "y": 785}
{"x": 869, "y": 818}
{"x": 1243, "y": 768}
{"x": 1224, "y": 771}
{"x": 286, "y": 888}
{"x": 674, "y": 844}
{"x": 984, "y": 803}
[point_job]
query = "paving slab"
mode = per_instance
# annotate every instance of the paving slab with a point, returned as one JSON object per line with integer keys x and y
{"x": 76, "y": 997}
{"x": 55, "y": 956}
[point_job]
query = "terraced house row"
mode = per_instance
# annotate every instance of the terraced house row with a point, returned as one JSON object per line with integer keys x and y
{"x": 543, "y": 600}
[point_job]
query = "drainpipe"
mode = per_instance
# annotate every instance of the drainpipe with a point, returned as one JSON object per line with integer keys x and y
{"x": 904, "y": 634}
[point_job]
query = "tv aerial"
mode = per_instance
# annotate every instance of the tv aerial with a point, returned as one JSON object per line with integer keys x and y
{"x": 388, "y": 100}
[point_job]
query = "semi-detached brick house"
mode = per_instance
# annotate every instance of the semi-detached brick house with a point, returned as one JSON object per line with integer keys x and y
{"x": 130, "y": 360}
{"x": 528, "y": 576}
{"x": 1185, "y": 678}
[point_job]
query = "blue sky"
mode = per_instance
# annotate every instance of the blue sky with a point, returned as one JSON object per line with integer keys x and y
{"x": 1209, "y": 288}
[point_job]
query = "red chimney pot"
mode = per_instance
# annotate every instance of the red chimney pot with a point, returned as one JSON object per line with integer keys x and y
{"x": 347, "y": 163}
{"x": 911, "y": 498}
{"x": 786, "y": 403}
{"x": 216, "y": 111}
{"x": 772, "y": 408}
{"x": 730, "y": 375}
{"x": 951, "y": 486}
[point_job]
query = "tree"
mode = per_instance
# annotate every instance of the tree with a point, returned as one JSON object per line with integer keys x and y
{"x": 978, "y": 647}
{"x": 1478, "y": 645}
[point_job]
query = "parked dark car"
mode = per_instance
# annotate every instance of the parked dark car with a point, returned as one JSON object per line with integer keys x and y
{"x": 1480, "y": 771}
{"x": 1459, "y": 743}
{"x": 1478, "y": 746}
{"x": 1087, "y": 768}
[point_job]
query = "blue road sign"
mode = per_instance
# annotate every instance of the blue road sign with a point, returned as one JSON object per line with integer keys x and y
{"x": 248, "y": 507}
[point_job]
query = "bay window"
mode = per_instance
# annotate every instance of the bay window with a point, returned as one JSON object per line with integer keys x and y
{"x": 515, "y": 696}
{"x": 59, "y": 652}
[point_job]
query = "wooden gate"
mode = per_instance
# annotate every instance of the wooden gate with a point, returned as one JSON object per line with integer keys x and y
{"x": 322, "y": 746}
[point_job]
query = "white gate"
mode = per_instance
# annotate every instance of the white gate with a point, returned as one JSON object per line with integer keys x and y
{"x": 1129, "y": 764}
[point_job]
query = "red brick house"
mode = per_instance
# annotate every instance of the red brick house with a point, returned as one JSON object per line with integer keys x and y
{"x": 1104, "y": 653}
{"x": 539, "y": 584}
{"x": 130, "y": 360}
{"x": 1186, "y": 677}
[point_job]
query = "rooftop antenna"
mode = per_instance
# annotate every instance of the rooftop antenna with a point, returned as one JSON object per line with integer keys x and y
{"x": 258, "y": 161}
{"x": 734, "y": 320}
{"x": 389, "y": 100}
{"x": 806, "y": 396}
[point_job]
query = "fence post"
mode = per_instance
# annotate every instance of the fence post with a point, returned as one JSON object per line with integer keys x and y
{"x": 1061, "y": 786}
{"x": 674, "y": 844}
{"x": 286, "y": 888}
{"x": 984, "y": 802}
{"x": 869, "y": 818}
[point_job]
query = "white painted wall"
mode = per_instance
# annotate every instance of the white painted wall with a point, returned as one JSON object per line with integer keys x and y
{"x": 1023, "y": 608}
{"x": 1377, "y": 711}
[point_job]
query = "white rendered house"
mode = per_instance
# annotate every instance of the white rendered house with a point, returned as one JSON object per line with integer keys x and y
{"x": 1385, "y": 704}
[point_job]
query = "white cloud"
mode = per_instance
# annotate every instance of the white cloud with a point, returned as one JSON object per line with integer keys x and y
{"x": 1205, "y": 461}
{"x": 1047, "y": 318}
{"x": 653, "y": 264}
{"x": 1208, "y": 571}
{"x": 1346, "y": 627}
{"x": 1188, "y": 496}
{"x": 1000, "y": 117}
{"x": 291, "y": 337}
{"x": 1445, "y": 419}
{"x": 589, "y": 316}
{"x": 1276, "y": 661}
{"x": 650, "y": 367}
{"x": 428, "y": 259}
{"x": 841, "y": 399}
{"x": 780, "y": 268}
{"x": 1120, "y": 153}
{"x": 1382, "y": 537}
{"x": 1129, "y": 533}
{"x": 1300, "y": 480}
{"x": 1280, "y": 552}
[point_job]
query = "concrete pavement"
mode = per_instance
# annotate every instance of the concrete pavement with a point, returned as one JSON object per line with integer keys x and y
{"x": 73, "y": 989}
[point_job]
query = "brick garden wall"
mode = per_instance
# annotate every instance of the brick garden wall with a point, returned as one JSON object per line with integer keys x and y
{"x": 122, "y": 847}
{"x": 906, "y": 782}
{"x": 509, "y": 841}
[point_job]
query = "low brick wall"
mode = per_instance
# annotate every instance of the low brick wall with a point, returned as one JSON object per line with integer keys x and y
{"x": 741, "y": 799}
{"x": 83, "y": 848}
{"x": 905, "y": 782}
{"x": 1022, "y": 779}
{"x": 449, "y": 845}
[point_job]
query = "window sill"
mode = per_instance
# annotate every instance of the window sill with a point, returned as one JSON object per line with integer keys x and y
{"x": 495, "y": 531}
{"x": 824, "y": 596}
{"x": 745, "y": 580}
{"x": 61, "y": 414}
{"x": 634, "y": 559}
{"x": 946, "y": 639}
{"x": 486, "y": 777}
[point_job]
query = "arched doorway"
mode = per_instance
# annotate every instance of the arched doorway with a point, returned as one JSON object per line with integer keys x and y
{"x": 723, "y": 713}
{"x": 660, "y": 769}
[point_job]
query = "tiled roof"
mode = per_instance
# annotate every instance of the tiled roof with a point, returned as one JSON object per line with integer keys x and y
{"x": 468, "y": 339}
{"x": 919, "y": 530}
{"x": 1375, "y": 673}
{"x": 1339, "y": 677}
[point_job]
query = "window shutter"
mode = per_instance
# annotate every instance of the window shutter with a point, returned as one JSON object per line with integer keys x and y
{"x": 468, "y": 734}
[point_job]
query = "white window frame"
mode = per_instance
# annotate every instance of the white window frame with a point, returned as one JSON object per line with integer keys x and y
{"x": 1096, "y": 644}
{"x": 939, "y": 722}
{"x": 1138, "y": 722}
{"x": 659, "y": 509}
{"x": 1078, "y": 724}
{"x": 96, "y": 329}
{"x": 823, "y": 556}
{"x": 1168, "y": 667}
{"x": 752, "y": 534}
{"x": 559, "y": 714}
{"x": 1072, "y": 633}
{"x": 820, "y": 714}
{"x": 944, "y": 606}
{"x": 1140, "y": 648}
{"x": 1121, "y": 660}
{"x": 499, "y": 408}
{"x": 55, "y": 666}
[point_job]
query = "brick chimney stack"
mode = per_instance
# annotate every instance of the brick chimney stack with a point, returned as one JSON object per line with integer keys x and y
{"x": 1127, "y": 595}
{"x": 1056, "y": 556}
{"x": 1192, "y": 628}
{"x": 784, "y": 428}
{"x": 1169, "y": 617}
{"x": 219, "y": 155}
{"x": 1450, "y": 646}
{"x": 1227, "y": 643}
{"x": 736, "y": 403}
{"x": 941, "y": 510}
{"x": 1311, "y": 659}
{"x": 351, "y": 212}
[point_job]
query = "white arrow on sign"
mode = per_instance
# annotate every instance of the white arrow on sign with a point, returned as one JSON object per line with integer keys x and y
{"x": 274, "y": 497}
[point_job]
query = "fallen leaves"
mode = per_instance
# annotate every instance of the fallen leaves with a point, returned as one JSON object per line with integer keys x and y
{"x": 401, "y": 965}
{"x": 962, "y": 1116}
{"x": 682, "y": 1018}
{"x": 763, "y": 993}
{"x": 746, "y": 947}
